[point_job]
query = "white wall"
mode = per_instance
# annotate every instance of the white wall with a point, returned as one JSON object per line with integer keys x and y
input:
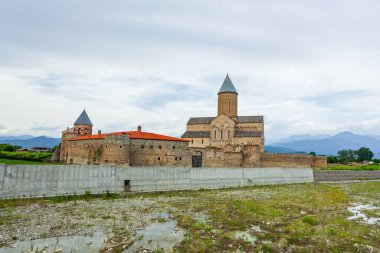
{"x": 44, "y": 180}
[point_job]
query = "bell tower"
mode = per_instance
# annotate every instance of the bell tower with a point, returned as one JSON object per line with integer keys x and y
{"x": 83, "y": 125}
{"x": 227, "y": 99}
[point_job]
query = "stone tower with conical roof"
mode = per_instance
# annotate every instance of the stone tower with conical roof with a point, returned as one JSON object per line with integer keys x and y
{"x": 227, "y": 99}
{"x": 83, "y": 125}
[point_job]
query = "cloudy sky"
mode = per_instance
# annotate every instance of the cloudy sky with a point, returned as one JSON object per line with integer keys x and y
{"x": 310, "y": 67}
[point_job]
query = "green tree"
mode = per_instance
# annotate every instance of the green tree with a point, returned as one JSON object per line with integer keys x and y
{"x": 312, "y": 153}
{"x": 332, "y": 159}
{"x": 347, "y": 155}
{"x": 8, "y": 147}
{"x": 364, "y": 154}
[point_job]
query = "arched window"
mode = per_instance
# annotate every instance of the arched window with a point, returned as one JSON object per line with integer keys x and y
{"x": 221, "y": 134}
{"x": 159, "y": 147}
{"x": 85, "y": 131}
{"x": 202, "y": 141}
{"x": 79, "y": 130}
{"x": 192, "y": 141}
{"x": 228, "y": 134}
{"x": 215, "y": 134}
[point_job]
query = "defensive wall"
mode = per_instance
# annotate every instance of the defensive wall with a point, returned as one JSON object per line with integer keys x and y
{"x": 292, "y": 160}
{"x": 345, "y": 175}
{"x": 44, "y": 180}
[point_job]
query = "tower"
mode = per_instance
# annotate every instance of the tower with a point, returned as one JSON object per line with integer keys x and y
{"x": 227, "y": 99}
{"x": 83, "y": 125}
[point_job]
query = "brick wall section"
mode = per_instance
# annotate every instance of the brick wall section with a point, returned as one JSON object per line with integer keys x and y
{"x": 345, "y": 175}
{"x": 292, "y": 160}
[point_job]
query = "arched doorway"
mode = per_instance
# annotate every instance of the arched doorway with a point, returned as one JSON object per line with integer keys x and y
{"x": 197, "y": 159}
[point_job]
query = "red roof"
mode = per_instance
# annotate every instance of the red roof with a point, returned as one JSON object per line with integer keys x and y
{"x": 132, "y": 135}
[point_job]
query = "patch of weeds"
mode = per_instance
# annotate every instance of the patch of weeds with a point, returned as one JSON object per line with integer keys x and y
{"x": 106, "y": 217}
{"x": 267, "y": 248}
{"x": 310, "y": 220}
{"x": 161, "y": 220}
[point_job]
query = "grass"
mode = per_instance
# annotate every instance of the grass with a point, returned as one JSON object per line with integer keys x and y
{"x": 304, "y": 218}
{"x": 10, "y": 161}
{"x": 353, "y": 167}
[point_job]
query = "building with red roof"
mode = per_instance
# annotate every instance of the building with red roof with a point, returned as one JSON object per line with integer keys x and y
{"x": 130, "y": 148}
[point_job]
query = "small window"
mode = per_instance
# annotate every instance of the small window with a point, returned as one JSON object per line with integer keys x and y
{"x": 101, "y": 146}
{"x": 159, "y": 147}
{"x": 202, "y": 141}
{"x": 176, "y": 158}
{"x": 106, "y": 146}
{"x": 142, "y": 146}
{"x": 120, "y": 146}
{"x": 180, "y": 158}
{"x": 173, "y": 147}
{"x": 158, "y": 158}
{"x": 151, "y": 147}
{"x": 192, "y": 141}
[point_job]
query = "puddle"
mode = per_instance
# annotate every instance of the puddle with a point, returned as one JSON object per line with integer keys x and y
{"x": 359, "y": 215}
{"x": 85, "y": 244}
{"x": 164, "y": 235}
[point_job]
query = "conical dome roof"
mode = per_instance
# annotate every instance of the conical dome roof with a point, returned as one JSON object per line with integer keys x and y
{"x": 227, "y": 86}
{"x": 83, "y": 119}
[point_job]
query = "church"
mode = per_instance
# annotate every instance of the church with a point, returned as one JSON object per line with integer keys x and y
{"x": 227, "y": 139}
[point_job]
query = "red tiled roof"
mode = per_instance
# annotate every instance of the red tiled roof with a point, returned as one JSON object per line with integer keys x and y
{"x": 132, "y": 135}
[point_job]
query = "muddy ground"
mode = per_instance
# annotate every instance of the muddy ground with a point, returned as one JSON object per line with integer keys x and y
{"x": 286, "y": 218}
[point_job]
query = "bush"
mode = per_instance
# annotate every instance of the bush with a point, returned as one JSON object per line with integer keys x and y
{"x": 37, "y": 157}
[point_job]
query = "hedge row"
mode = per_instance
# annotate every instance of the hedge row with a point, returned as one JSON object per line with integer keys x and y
{"x": 37, "y": 157}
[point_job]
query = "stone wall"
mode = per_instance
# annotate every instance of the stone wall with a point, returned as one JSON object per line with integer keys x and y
{"x": 345, "y": 175}
{"x": 19, "y": 181}
{"x": 113, "y": 149}
{"x": 159, "y": 153}
{"x": 291, "y": 160}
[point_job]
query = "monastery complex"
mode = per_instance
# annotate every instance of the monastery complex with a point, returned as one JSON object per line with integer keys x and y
{"x": 226, "y": 140}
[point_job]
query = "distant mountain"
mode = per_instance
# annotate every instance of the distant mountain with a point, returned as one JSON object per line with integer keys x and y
{"x": 331, "y": 145}
{"x": 19, "y": 137}
{"x": 303, "y": 137}
{"x": 41, "y": 141}
{"x": 280, "y": 150}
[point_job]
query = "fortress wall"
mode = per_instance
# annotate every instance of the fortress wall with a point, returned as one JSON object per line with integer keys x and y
{"x": 18, "y": 181}
{"x": 159, "y": 153}
{"x": 291, "y": 160}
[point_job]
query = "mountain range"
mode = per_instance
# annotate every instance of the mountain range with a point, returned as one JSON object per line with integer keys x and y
{"x": 27, "y": 141}
{"x": 330, "y": 145}
{"x": 297, "y": 144}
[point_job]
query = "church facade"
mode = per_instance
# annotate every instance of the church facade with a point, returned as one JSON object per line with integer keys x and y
{"x": 226, "y": 139}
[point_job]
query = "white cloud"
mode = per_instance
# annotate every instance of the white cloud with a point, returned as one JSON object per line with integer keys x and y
{"x": 308, "y": 67}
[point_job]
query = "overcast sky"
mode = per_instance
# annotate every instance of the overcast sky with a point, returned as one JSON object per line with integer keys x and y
{"x": 310, "y": 67}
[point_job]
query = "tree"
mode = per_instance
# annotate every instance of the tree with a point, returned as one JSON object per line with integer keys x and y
{"x": 364, "y": 154}
{"x": 312, "y": 153}
{"x": 8, "y": 147}
{"x": 347, "y": 155}
{"x": 332, "y": 159}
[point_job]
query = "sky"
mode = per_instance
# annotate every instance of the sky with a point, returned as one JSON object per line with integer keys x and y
{"x": 310, "y": 67}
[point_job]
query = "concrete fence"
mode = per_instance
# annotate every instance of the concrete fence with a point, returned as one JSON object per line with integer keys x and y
{"x": 43, "y": 180}
{"x": 345, "y": 175}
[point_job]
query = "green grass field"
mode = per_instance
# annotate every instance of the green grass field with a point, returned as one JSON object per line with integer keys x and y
{"x": 9, "y": 161}
{"x": 349, "y": 167}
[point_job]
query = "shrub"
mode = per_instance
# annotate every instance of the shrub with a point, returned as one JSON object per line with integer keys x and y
{"x": 37, "y": 157}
